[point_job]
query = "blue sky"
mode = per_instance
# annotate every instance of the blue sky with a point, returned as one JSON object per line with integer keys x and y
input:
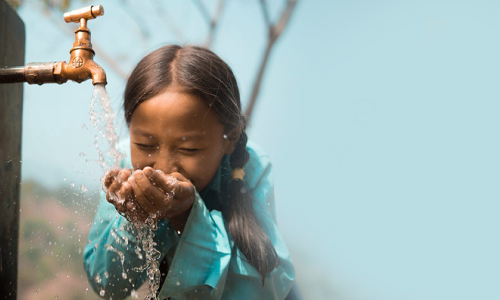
{"x": 381, "y": 119}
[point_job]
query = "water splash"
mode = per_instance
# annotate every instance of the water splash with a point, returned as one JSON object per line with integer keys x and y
{"x": 122, "y": 258}
{"x": 98, "y": 279}
{"x": 145, "y": 237}
{"x": 83, "y": 188}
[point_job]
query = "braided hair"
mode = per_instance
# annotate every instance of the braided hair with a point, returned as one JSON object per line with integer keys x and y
{"x": 202, "y": 73}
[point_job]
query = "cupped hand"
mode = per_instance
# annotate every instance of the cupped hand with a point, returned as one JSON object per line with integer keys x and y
{"x": 119, "y": 192}
{"x": 163, "y": 195}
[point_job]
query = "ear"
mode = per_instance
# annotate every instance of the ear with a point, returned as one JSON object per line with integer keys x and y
{"x": 230, "y": 141}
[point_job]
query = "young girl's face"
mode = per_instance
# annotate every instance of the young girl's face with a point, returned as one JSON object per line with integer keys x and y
{"x": 178, "y": 132}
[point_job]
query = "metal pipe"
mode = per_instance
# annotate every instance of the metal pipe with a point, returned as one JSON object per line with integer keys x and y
{"x": 12, "y": 75}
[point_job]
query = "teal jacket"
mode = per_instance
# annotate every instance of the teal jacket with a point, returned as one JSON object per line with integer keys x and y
{"x": 204, "y": 262}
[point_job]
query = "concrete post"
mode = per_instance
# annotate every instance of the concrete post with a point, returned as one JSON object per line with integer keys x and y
{"x": 12, "y": 43}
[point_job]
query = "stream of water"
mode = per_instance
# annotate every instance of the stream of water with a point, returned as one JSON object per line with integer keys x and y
{"x": 102, "y": 117}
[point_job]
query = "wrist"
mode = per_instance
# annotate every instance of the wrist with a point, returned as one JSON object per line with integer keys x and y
{"x": 178, "y": 222}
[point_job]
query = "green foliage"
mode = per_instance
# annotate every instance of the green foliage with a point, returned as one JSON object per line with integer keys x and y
{"x": 53, "y": 232}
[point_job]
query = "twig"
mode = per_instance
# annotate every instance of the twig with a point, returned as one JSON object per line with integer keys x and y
{"x": 163, "y": 15}
{"x": 265, "y": 12}
{"x": 204, "y": 11}
{"x": 285, "y": 16}
{"x": 211, "y": 21}
{"x": 213, "y": 24}
{"x": 143, "y": 29}
{"x": 274, "y": 33}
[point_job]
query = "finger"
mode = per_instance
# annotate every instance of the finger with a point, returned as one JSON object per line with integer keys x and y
{"x": 158, "y": 179}
{"x": 111, "y": 198}
{"x": 181, "y": 187}
{"x": 139, "y": 195}
{"x": 124, "y": 194}
{"x": 148, "y": 186}
{"x": 122, "y": 176}
{"x": 116, "y": 202}
{"x": 110, "y": 177}
{"x": 168, "y": 183}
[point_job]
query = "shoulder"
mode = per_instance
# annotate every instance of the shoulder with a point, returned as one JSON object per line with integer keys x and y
{"x": 256, "y": 151}
{"x": 258, "y": 166}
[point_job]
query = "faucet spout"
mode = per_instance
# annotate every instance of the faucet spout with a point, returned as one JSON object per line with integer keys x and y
{"x": 97, "y": 73}
{"x": 79, "y": 69}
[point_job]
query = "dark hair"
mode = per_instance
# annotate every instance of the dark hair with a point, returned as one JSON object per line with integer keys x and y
{"x": 202, "y": 73}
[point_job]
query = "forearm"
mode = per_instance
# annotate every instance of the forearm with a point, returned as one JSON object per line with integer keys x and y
{"x": 179, "y": 222}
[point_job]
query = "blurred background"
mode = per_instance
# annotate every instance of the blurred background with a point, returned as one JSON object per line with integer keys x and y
{"x": 380, "y": 117}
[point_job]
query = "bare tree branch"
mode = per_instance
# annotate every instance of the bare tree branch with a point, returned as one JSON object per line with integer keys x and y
{"x": 211, "y": 21}
{"x": 163, "y": 15}
{"x": 213, "y": 24}
{"x": 265, "y": 12}
{"x": 285, "y": 16}
{"x": 258, "y": 80}
{"x": 204, "y": 11}
{"x": 143, "y": 29}
{"x": 274, "y": 33}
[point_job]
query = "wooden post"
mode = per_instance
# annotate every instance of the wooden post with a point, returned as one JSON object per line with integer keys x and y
{"x": 12, "y": 43}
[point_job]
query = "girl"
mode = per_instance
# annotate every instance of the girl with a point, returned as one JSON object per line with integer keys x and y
{"x": 193, "y": 171}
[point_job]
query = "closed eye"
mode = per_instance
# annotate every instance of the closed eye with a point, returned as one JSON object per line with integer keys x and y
{"x": 146, "y": 147}
{"x": 188, "y": 150}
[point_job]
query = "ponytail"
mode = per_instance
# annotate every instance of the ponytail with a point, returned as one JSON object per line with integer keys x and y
{"x": 244, "y": 227}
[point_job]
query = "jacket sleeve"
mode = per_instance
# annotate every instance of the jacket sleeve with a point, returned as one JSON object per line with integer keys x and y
{"x": 112, "y": 240}
{"x": 207, "y": 264}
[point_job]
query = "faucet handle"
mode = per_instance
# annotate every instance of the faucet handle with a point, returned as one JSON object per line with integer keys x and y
{"x": 87, "y": 13}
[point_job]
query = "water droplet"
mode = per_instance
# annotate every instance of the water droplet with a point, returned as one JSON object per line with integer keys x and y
{"x": 178, "y": 283}
{"x": 102, "y": 293}
{"x": 98, "y": 279}
{"x": 124, "y": 275}
{"x": 225, "y": 136}
{"x": 72, "y": 184}
{"x": 83, "y": 188}
{"x": 64, "y": 179}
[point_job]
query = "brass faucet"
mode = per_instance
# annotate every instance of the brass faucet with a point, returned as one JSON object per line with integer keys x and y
{"x": 81, "y": 64}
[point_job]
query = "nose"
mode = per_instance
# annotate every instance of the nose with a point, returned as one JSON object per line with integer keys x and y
{"x": 166, "y": 163}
